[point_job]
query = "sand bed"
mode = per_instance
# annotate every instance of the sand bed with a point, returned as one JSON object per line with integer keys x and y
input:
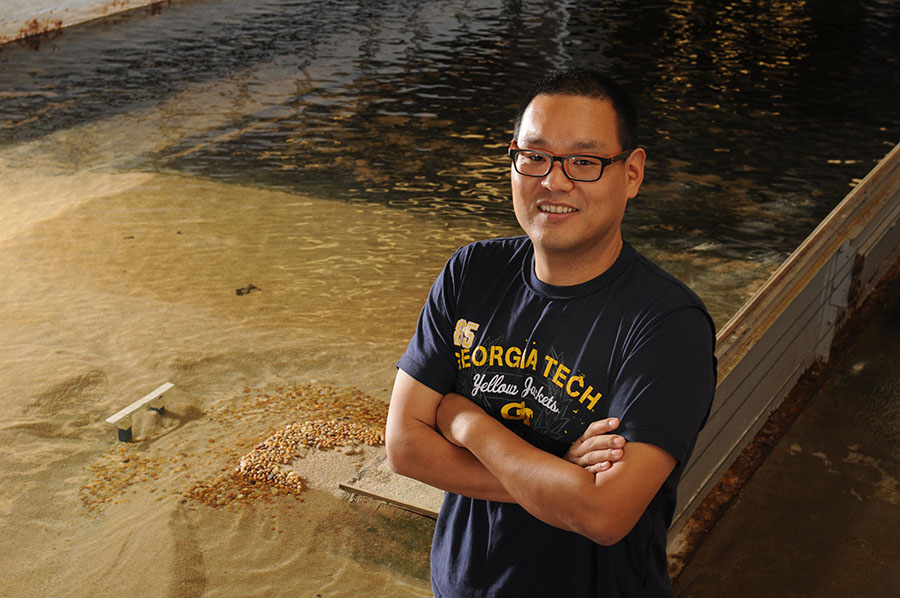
{"x": 179, "y": 511}
{"x": 133, "y": 283}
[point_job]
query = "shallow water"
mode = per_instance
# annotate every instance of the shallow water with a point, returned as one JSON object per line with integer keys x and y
{"x": 111, "y": 297}
{"x": 330, "y": 161}
{"x": 752, "y": 136}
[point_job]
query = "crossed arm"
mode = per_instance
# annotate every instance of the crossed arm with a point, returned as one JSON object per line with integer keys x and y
{"x": 451, "y": 443}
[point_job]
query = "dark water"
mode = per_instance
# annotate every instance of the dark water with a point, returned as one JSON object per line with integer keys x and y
{"x": 757, "y": 115}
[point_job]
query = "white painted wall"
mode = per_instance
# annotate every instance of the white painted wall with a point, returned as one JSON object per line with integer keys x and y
{"x": 19, "y": 18}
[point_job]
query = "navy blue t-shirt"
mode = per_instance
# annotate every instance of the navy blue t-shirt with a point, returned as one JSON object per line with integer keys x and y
{"x": 547, "y": 361}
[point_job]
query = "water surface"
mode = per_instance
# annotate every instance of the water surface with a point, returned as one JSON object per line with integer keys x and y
{"x": 757, "y": 117}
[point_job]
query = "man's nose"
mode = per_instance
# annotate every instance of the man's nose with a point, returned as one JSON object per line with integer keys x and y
{"x": 556, "y": 178}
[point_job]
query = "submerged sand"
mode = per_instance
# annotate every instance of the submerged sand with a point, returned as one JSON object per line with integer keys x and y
{"x": 134, "y": 281}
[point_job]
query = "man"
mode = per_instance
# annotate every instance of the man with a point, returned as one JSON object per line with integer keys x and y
{"x": 530, "y": 350}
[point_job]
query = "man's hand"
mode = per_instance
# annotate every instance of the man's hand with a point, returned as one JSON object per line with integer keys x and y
{"x": 597, "y": 449}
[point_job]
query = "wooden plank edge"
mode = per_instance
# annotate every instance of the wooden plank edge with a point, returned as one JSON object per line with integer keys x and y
{"x": 347, "y": 487}
{"x": 118, "y": 416}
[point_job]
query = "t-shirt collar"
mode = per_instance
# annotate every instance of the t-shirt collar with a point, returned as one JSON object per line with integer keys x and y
{"x": 626, "y": 256}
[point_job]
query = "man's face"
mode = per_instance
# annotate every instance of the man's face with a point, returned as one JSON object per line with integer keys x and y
{"x": 566, "y": 218}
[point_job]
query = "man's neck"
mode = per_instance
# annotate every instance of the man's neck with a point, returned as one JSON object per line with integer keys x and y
{"x": 563, "y": 270}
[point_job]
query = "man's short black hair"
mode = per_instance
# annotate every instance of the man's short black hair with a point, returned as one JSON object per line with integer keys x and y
{"x": 582, "y": 81}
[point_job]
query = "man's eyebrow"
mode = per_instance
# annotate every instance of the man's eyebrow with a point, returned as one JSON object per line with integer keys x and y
{"x": 578, "y": 146}
{"x": 590, "y": 145}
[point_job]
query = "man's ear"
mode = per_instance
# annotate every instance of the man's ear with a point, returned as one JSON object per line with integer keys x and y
{"x": 634, "y": 170}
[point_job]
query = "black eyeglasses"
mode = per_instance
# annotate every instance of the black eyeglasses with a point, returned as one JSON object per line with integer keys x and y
{"x": 578, "y": 167}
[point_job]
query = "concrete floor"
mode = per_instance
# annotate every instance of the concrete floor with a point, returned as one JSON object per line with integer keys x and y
{"x": 821, "y": 515}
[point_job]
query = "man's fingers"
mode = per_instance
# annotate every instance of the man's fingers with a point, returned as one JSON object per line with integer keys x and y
{"x": 596, "y": 443}
{"x": 597, "y": 446}
{"x": 601, "y": 426}
{"x": 595, "y": 458}
{"x": 602, "y": 466}
{"x": 611, "y": 455}
{"x": 608, "y": 441}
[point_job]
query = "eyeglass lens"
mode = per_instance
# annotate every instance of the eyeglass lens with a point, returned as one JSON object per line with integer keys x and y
{"x": 534, "y": 163}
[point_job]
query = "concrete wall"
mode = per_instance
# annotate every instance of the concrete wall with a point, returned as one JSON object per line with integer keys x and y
{"x": 22, "y": 18}
{"x": 790, "y": 322}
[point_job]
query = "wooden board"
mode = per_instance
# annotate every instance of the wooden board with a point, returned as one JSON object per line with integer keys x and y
{"x": 114, "y": 419}
{"x": 376, "y": 480}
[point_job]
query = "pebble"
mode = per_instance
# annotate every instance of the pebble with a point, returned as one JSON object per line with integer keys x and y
{"x": 265, "y": 466}
{"x": 328, "y": 418}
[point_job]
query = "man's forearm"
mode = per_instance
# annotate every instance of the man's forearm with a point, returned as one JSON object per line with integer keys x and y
{"x": 537, "y": 480}
{"x": 602, "y": 506}
{"x": 415, "y": 449}
{"x": 425, "y": 455}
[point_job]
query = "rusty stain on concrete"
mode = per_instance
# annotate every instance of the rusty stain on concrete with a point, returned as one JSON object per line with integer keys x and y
{"x": 36, "y": 28}
{"x": 43, "y": 17}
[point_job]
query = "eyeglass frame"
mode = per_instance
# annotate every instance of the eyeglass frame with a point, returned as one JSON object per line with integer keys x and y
{"x": 512, "y": 152}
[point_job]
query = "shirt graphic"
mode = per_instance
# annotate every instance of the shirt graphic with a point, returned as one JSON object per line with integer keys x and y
{"x": 532, "y": 390}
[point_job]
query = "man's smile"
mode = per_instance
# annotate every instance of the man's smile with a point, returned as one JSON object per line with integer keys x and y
{"x": 556, "y": 209}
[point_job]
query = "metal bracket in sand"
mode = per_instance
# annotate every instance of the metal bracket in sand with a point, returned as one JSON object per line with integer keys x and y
{"x": 122, "y": 419}
{"x": 376, "y": 480}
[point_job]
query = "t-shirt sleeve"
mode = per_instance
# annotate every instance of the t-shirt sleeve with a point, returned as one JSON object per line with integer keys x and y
{"x": 665, "y": 387}
{"x": 429, "y": 357}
